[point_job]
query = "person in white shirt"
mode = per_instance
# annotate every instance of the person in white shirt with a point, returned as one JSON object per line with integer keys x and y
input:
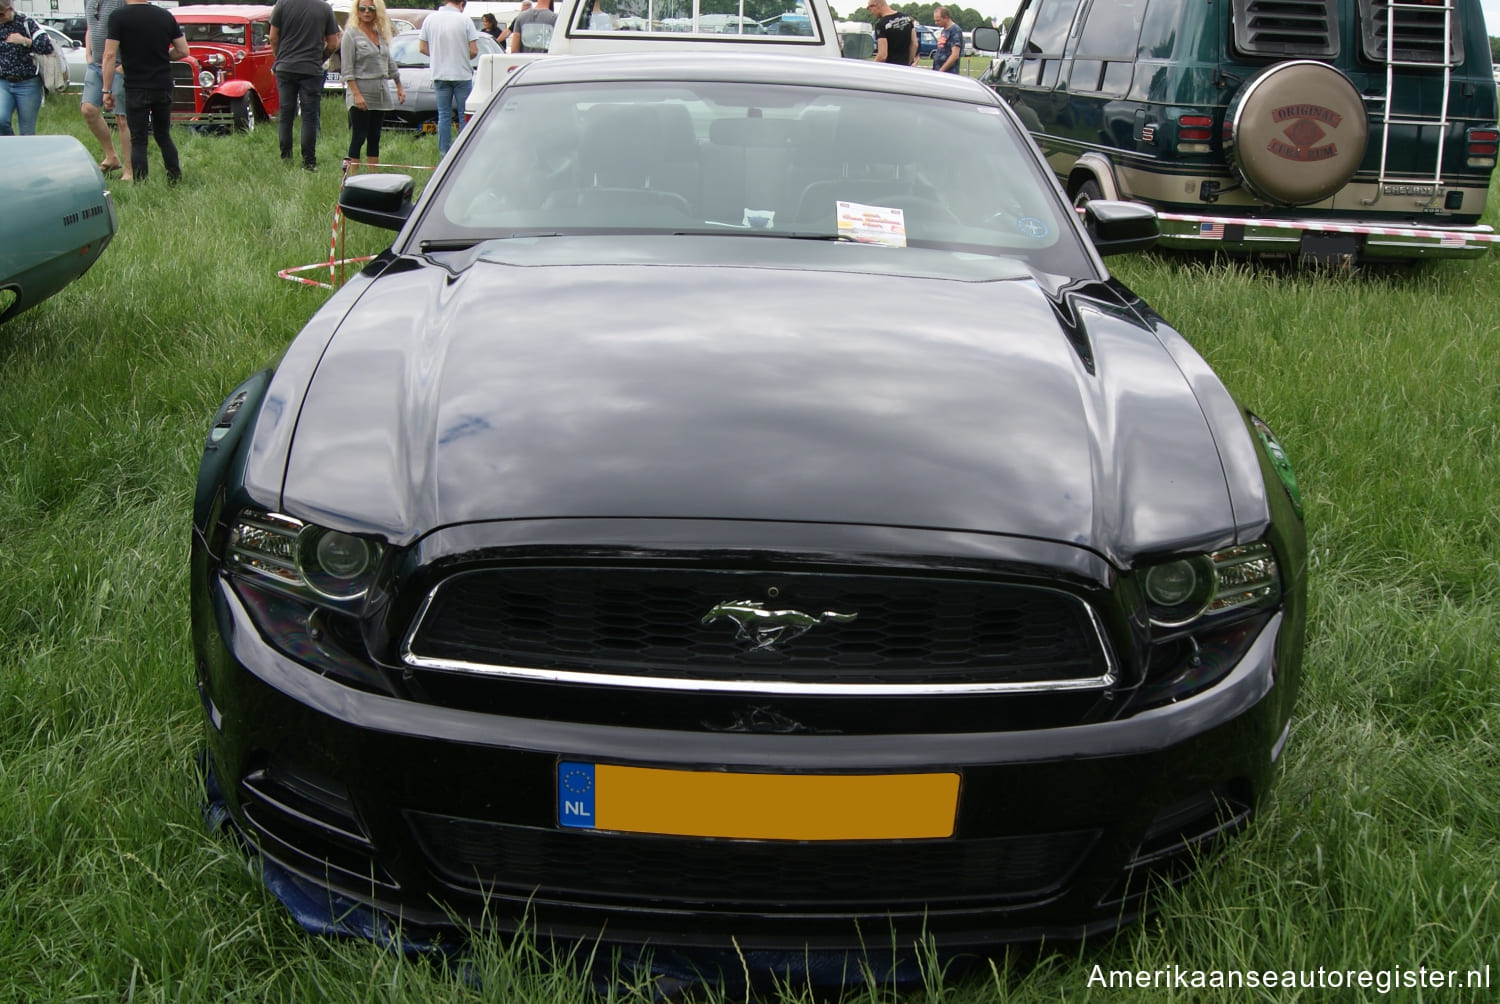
{"x": 451, "y": 41}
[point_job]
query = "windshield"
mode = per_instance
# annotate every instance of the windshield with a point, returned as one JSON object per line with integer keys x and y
{"x": 705, "y": 17}
{"x": 217, "y": 34}
{"x": 761, "y": 160}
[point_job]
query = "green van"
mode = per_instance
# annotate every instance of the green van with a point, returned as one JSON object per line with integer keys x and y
{"x": 1333, "y": 130}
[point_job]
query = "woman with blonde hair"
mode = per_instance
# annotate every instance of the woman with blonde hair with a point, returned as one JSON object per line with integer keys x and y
{"x": 366, "y": 61}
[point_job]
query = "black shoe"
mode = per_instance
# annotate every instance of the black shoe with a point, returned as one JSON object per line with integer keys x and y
{"x": 309, "y": 166}
{"x": 287, "y": 157}
{"x": 173, "y": 179}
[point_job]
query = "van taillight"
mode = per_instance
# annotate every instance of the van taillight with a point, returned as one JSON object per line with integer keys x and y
{"x": 1194, "y": 133}
{"x": 1482, "y": 146}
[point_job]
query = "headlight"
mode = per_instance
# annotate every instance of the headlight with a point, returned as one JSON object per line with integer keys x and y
{"x": 1181, "y": 591}
{"x": 302, "y": 557}
{"x": 215, "y": 59}
{"x": 205, "y": 79}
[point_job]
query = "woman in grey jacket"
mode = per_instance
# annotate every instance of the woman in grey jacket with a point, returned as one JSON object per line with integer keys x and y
{"x": 366, "y": 62}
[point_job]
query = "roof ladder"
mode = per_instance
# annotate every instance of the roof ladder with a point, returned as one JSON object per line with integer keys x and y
{"x": 1389, "y": 118}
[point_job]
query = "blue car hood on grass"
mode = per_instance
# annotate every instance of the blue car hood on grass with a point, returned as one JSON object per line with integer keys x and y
{"x": 554, "y": 387}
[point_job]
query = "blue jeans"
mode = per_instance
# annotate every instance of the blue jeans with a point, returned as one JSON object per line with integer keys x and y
{"x": 452, "y": 95}
{"x": 24, "y": 99}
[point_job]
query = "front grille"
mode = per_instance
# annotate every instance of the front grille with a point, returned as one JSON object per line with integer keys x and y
{"x": 309, "y": 825}
{"x": 1418, "y": 32}
{"x": 1286, "y": 27}
{"x": 650, "y": 622}
{"x": 788, "y": 876}
{"x": 184, "y": 84}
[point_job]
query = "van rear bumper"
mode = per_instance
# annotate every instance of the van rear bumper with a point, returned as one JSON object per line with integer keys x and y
{"x": 1365, "y": 241}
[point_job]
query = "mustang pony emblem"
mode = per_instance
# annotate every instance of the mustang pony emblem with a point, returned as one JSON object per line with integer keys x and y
{"x": 764, "y": 629}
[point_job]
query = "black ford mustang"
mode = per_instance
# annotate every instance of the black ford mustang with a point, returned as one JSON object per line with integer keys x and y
{"x": 741, "y": 508}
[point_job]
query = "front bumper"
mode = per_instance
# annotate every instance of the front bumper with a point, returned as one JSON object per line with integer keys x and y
{"x": 428, "y": 813}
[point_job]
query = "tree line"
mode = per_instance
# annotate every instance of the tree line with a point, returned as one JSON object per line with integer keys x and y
{"x": 965, "y": 17}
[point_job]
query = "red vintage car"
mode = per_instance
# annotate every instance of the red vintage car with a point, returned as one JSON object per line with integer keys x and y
{"x": 226, "y": 81}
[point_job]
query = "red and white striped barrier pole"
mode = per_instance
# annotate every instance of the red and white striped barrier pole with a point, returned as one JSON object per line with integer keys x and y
{"x": 335, "y": 262}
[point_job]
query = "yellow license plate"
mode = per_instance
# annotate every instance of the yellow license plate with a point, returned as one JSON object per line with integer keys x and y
{"x": 429, "y": 127}
{"x": 706, "y": 803}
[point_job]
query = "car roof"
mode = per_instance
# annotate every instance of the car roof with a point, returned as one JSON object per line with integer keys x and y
{"x": 756, "y": 67}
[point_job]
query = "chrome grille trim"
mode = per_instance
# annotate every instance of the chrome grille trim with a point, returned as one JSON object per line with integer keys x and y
{"x": 752, "y": 687}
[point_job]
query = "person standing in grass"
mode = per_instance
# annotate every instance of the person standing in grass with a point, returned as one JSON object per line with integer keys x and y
{"x": 451, "y": 41}
{"x": 950, "y": 42}
{"x": 20, "y": 83}
{"x": 143, "y": 40}
{"x": 536, "y": 39}
{"x": 895, "y": 34}
{"x": 91, "y": 104}
{"x": 303, "y": 34}
{"x": 366, "y": 61}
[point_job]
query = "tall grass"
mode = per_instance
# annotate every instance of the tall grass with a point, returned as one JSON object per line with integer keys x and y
{"x": 1377, "y": 849}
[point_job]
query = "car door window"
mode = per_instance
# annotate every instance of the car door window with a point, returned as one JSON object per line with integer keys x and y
{"x": 1041, "y": 39}
{"x": 1106, "y": 47}
{"x": 1049, "y": 33}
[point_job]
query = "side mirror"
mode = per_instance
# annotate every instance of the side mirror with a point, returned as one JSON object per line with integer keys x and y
{"x": 987, "y": 39}
{"x": 381, "y": 200}
{"x": 1118, "y": 227}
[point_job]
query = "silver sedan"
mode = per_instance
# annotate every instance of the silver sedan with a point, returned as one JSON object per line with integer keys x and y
{"x": 72, "y": 54}
{"x": 416, "y": 76}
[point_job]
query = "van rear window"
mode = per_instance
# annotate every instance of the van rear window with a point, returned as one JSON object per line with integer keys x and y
{"x": 1417, "y": 36}
{"x": 1286, "y": 27}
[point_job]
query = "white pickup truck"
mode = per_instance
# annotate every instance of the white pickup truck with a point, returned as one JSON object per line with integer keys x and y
{"x": 599, "y": 26}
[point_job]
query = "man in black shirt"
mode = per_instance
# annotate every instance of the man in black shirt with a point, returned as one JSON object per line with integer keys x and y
{"x": 895, "y": 34}
{"x": 146, "y": 39}
{"x": 303, "y": 34}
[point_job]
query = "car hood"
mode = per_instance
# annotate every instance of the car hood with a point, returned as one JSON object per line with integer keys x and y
{"x": 830, "y": 389}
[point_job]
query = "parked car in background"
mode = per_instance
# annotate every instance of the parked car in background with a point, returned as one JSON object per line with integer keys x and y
{"x": 75, "y": 27}
{"x": 420, "y": 107}
{"x": 403, "y": 19}
{"x": 837, "y": 555}
{"x": 857, "y": 39}
{"x": 1280, "y": 121}
{"x": 927, "y": 41}
{"x": 62, "y": 225}
{"x": 226, "y": 82}
{"x": 72, "y": 53}
{"x": 807, "y": 28}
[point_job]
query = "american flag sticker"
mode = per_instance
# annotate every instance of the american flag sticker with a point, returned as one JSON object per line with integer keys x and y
{"x": 1213, "y": 231}
{"x": 1454, "y": 240}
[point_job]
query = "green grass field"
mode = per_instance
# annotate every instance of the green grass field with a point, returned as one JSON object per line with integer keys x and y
{"x": 1377, "y": 850}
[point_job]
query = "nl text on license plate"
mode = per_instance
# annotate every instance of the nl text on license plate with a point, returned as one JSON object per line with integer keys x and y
{"x": 705, "y": 803}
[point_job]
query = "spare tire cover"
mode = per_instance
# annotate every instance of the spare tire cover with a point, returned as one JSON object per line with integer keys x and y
{"x": 1296, "y": 132}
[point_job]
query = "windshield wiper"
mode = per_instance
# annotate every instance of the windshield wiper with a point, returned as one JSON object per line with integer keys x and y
{"x": 733, "y": 230}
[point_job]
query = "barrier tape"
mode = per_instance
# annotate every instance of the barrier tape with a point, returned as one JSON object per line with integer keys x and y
{"x": 335, "y": 263}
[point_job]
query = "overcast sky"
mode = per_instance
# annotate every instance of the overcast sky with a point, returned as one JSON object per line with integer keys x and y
{"x": 1005, "y": 8}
